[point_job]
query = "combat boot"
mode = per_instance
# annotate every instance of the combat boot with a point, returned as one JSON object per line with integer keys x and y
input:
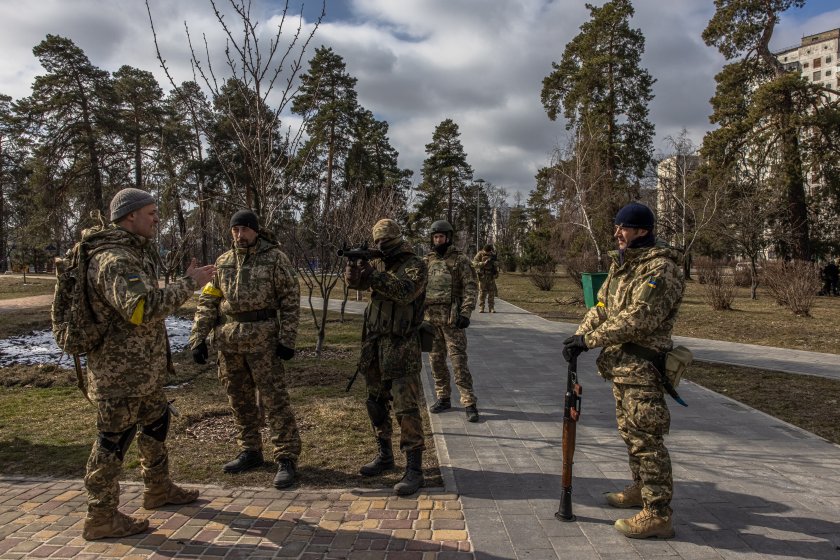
{"x": 646, "y": 524}
{"x": 627, "y": 498}
{"x": 492, "y": 309}
{"x": 481, "y": 310}
{"x": 384, "y": 460}
{"x": 472, "y": 413}
{"x": 440, "y": 405}
{"x": 285, "y": 476}
{"x": 159, "y": 495}
{"x": 248, "y": 459}
{"x": 112, "y": 525}
{"x": 412, "y": 480}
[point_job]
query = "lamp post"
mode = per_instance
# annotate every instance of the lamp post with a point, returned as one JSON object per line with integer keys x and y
{"x": 478, "y": 183}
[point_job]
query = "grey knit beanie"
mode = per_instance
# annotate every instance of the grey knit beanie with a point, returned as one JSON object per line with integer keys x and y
{"x": 127, "y": 201}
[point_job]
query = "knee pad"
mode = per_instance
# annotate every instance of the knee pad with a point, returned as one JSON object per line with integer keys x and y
{"x": 159, "y": 428}
{"x": 377, "y": 411}
{"x": 122, "y": 443}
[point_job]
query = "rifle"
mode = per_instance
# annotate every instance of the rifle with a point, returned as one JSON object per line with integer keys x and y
{"x": 360, "y": 253}
{"x": 571, "y": 415}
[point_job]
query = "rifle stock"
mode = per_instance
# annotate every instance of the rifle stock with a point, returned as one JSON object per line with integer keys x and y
{"x": 571, "y": 415}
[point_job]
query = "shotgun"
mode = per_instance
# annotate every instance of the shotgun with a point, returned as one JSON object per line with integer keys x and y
{"x": 571, "y": 415}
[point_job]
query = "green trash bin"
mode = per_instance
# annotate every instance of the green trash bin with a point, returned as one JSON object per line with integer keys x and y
{"x": 591, "y": 284}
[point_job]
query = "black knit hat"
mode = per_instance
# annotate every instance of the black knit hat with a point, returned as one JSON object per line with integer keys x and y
{"x": 635, "y": 215}
{"x": 245, "y": 218}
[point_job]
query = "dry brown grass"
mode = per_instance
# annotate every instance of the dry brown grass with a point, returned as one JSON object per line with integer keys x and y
{"x": 12, "y": 286}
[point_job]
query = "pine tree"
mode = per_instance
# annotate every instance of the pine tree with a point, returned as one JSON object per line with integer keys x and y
{"x": 446, "y": 175}
{"x": 139, "y": 115}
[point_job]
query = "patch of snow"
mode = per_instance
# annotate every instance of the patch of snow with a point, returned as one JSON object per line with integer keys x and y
{"x": 39, "y": 347}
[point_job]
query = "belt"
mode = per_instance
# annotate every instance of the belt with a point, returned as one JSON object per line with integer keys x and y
{"x": 248, "y": 316}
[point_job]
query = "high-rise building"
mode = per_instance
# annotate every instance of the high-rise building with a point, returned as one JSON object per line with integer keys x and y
{"x": 816, "y": 58}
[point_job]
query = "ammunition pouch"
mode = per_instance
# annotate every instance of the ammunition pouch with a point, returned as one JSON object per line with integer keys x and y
{"x": 122, "y": 443}
{"x": 427, "y": 336}
{"x": 671, "y": 365}
{"x": 248, "y": 316}
{"x": 159, "y": 428}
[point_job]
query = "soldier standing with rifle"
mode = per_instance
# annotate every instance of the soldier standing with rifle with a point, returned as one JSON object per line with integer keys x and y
{"x": 390, "y": 359}
{"x": 632, "y": 321}
{"x": 487, "y": 269}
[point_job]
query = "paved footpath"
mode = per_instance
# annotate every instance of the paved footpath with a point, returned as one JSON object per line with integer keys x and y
{"x": 747, "y": 485}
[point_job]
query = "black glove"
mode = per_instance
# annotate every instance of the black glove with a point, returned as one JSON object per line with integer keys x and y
{"x": 462, "y": 322}
{"x": 573, "y": 347}
{"x": 357, "y": 276}
{"x": 284, "y": 352}
{"x": 200, "y": 353}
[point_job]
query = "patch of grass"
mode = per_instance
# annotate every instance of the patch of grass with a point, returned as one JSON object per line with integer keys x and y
{"x": 816, "y": 407}
{"x": 24, "y": 321}
{"x": 12, "y": 286}
{"x": 758, "y": 321}
{"x": 47, "y": 427}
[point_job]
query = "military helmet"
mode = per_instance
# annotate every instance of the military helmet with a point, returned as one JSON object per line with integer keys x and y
{"x": 386, "y": 230}
{"x": 442, "y": 226}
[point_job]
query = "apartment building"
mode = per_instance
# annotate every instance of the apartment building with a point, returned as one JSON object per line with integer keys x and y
{"x": 816, "y": 58}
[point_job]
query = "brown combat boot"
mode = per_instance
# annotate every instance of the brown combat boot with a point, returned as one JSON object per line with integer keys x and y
{"x": 113, "y": 525}
{"x": 159, "y": 495}
{"x": 481, "y": 310}
{"x": 627, "y": 498}
{"x": 646, "y": 524}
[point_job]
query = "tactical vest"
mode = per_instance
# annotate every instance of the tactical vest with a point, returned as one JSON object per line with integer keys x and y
{"x": 389, "y": 318}
{"x": 441, "y": 285}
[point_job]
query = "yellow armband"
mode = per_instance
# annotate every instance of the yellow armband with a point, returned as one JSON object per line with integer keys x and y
{"x": 137, "y": 316}
{"x": 211, "y": 290}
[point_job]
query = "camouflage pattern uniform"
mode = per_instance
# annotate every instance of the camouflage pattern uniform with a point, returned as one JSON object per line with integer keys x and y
{"x": 252, "y": 304}
{"x": 390, "y": 359}
{"x": 638, "y": 304}
{"x": 126, "y": 373}
{"x": 449, "y": 293}
{"x": 487, "y": 273}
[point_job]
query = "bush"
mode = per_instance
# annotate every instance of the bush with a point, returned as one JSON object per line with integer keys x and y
{"x": 718, "y": 287}
{"x": 542, "y": 277}
{"x": 793, "y": 284}
{"x": 742, "y": 278}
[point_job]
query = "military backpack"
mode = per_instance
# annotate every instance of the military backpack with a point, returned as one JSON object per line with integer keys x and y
{"x": 74, "y": 325}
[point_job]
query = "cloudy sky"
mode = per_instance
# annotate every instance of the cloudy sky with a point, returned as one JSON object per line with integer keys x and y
{"x": 418, "y": 62}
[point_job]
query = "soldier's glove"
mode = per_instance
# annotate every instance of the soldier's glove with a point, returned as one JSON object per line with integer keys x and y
{"x": 462, "y": 322}
{"x": 573, "y": 347}
{"x": 284, "y": 352}
{"x": 358, "y": 276}
{"x": 200, "y": 353}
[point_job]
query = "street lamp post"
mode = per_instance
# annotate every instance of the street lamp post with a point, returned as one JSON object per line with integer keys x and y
{"x": 478, "y": 183}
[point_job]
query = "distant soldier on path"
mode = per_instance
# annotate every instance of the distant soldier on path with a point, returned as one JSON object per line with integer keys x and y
{"x": 450, "y": 300}
{"x": 632, "y": 321}
{"x": 252, "y": 307}
{"x": 487, "y": 268}
{"x": 390, "y": 358}
{"x": 126, "y": 372}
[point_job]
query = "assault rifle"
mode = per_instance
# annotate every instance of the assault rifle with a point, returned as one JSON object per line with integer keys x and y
{"x": 360, "y": 253}
{"x": 571, "y": 414}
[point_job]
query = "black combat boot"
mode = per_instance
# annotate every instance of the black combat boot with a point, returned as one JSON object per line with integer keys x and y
{"x": 285, "y": 476}
{"x": 472, "y": 413}
{"x": 248, "y": 459}
{"x": 384, "y": 460}
{"x": 412, "y": 480}
{"x": 440, "y": 405}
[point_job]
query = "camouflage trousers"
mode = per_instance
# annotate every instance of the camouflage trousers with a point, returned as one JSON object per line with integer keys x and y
{"x": 117, "y": 421}
{"x": 398, "y": 388}
{"x": 487, "y": 292}
{"x": 453, "y": 342}
{"x": 256, "y": 389}
{"x": 643, "y": 420}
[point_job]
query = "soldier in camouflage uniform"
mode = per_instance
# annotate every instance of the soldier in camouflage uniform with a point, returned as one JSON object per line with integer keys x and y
{"x": 450, "y": 300}
{"x": 252, "y": 308}
{"x": 390, "y": 358}
{"x": 632, "y": 321}
{"x": 126, "y": 372}
{"x": 487, "y": 269}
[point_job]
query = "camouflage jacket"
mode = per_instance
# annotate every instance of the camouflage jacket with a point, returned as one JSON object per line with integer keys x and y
{"x": 484, "y": 268}
{"x": 403, "y": 282}
{"x": 446, "y": 298}
{"x": 637, "y": 303}
{"x": 259, "y": 278}
{"x": 133, "y": 358}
